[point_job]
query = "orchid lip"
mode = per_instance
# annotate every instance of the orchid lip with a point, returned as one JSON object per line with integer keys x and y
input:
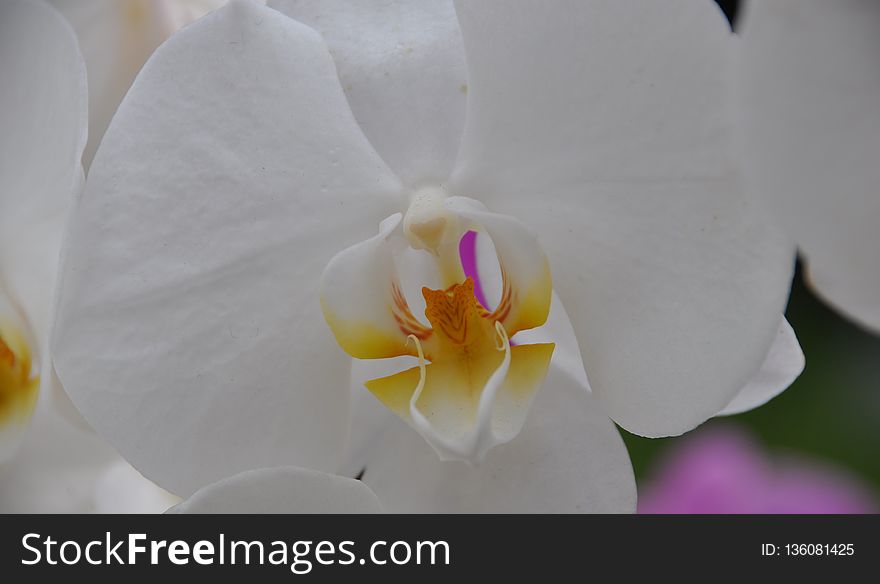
{"x": 472, "y": 387}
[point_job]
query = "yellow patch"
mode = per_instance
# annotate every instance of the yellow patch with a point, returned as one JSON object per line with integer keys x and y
{"x": 135, "y": 14}
{"x": 364, "y": 340}
{"x": 465, "y": 355}
{"x": 18, "y": 389}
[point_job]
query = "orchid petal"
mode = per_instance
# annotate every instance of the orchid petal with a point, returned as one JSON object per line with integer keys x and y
{"x": 189, "y": 329}
{"x": 44, "y": 119}
{"x": 369, "y": 417}
{"x": 784, "y": 362}
{"x": 567, "y": 458}
{"x": 116, "y": 37}
{"x": 402, "y": 66}
{"x": 282, "y": 490}
{"x": 122, "y": 489}
{"x": 363, "y": 301}
{"x": 61, "y": 469}
{"x": 811, "y": 129}
{"x": 527, "y": 288}
{"x": 623, "y": 169}
{"x": 558, "y": 330}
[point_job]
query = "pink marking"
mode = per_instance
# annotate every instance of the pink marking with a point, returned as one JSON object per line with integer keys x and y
{"x": 467, "y": 249}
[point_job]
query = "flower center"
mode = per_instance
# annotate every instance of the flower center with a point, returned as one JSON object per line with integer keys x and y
{"x": 472, "y": 387}
{"x": 456, "y": 314}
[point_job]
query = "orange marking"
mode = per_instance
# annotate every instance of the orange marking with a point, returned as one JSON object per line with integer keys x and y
{"x": 502, "y": 311}
{"x": 456, "y": 313}
{"x": 6, "y": 354}
{"x": 407, "y": 322}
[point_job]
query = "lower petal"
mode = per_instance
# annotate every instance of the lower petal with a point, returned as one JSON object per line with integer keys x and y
{"x": 282, "y": 490}
{"x": 62, "y": 469}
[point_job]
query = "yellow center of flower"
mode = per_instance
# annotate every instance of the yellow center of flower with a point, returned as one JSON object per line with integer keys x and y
{"x": 472, "y": 387}
{"x": 18, "y": 389}
{"x": 457, "y": 316}
{"x": 466, "y": 349}
{"x": 462, "y": 348}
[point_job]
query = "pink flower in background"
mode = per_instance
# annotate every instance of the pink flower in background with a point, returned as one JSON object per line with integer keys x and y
{"x": 723, "y": 470}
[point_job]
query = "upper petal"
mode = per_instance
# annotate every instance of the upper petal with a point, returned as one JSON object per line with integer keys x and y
{"x": 811, "y": 121}
{"x": 282, "y": 490}
{"x": 568, "y": 458}
{"x": 603, "y": 125}
{"x": 189, "y": 329}
{"x": 402, "y": 67}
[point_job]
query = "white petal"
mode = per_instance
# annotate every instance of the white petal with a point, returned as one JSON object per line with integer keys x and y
{"x": 783, "y": 364}
{"x": 116, "y": 38}
{"x": 567, "y": 354}
{"x": 122, "y": 489}
{"x": 179, "y": 13}
{"x": 369, "y": 417}
{"x": 603, "y": 126}
{"x": 282, "y": 490}
{"x": 402, "y": 66}
{"x": 525, "y": 271}
{"x": 557, "y": 330}
{"x": 363, "y": 301}
{"x": 811, "y": 121}
{"x": 568, "y": 458}
{"x": 61, "y": 469}
{"x": 189, "y": 330}
{"x": 44, "y": 117}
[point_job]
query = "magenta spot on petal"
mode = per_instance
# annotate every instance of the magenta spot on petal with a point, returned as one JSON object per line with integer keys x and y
{"x": 467, "y": 249}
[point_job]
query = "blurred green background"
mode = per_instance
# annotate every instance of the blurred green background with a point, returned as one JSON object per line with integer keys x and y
{"x": 831, "y": 412}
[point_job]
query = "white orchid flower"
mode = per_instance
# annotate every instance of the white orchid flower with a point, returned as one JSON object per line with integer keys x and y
{"x": 47, "y": 465}
{"x": 226, "y": 246}
{"x": 811, "y": 122}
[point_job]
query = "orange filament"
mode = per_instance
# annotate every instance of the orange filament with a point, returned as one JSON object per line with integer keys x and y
{"x": 7, "y": 357}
